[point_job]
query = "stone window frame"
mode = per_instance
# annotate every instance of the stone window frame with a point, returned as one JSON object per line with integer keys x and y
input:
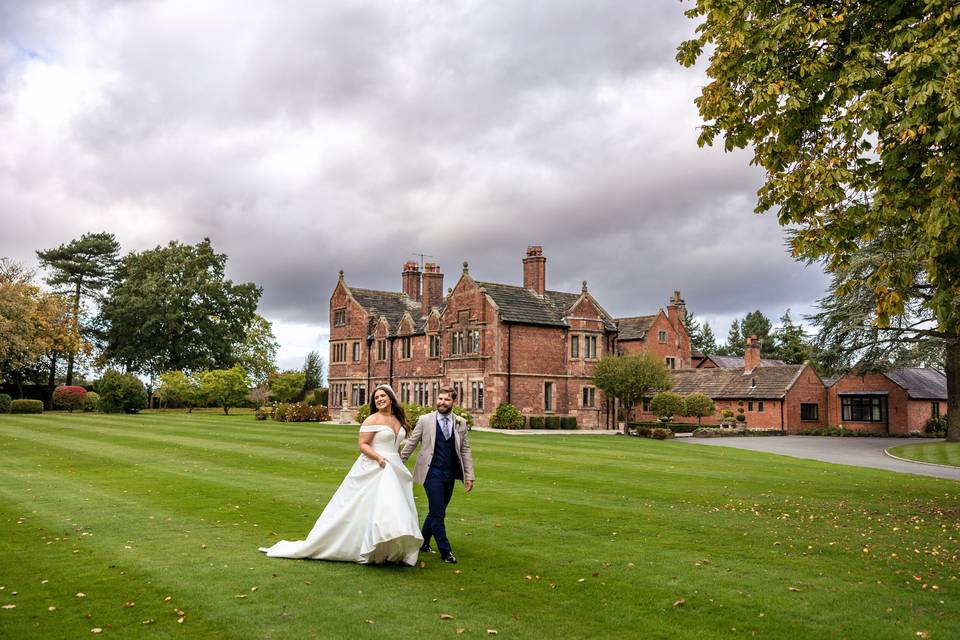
{"x": 476, "y": 395}
{"x": 435, "y": 345}
{"x": 662, "y": 336}
{"x": 339, "y": 352}
{"x": 575, "y": 347}
{"x": 406, "y": 347}
{"x": 381, "y": 349}
{"x": 588, "y": 397}
{"x": 356, "y": 352}
{"x": 340, "y": 317}
{"x": 548, "y": 396}
{"x": 589, "y": 347}
{"x": 671, "y": 362}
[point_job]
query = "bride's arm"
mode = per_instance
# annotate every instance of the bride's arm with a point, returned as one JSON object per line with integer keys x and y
{"x": 365, "y": 444}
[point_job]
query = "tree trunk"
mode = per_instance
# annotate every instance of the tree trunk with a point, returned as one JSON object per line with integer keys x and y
{"x": 953, "y": 390}
{"x": 76, "y": 318}
{"x": 627, "y": 410}
{"x": 52, "y": 380}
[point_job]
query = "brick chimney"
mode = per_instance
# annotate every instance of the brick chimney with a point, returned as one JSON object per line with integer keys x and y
{"x": 677, "y": 310}
{"x": 411, "y": 280}
{"x": 432, "y": 287}
{"x": 535, "y": 270}
{"x": 751, "y": 354}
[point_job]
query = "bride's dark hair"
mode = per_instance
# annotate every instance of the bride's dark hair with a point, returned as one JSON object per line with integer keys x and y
{"x": 395, "y": 407}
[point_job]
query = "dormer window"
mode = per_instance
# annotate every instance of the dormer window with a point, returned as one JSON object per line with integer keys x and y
{"x": 339, "y": 317}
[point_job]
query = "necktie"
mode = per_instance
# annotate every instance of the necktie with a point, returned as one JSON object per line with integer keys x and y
{"x": 446, "y": 428}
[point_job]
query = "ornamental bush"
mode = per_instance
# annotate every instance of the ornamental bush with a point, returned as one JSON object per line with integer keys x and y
{"x": 466, "y": 415}
{"x": 121, "y": 392}
{"x": 537, "y": 422}
{"x": 26, "y": 406}
{"x": 667, "y": 404}
{"x": 300, "y": 412}
{"x": 323, "y": 414}
{"x": 363, "y": 413}
{"x": 280, "y": 412}
{"x": 660, "y": 433}
{"x": 69, "y": 398}
{"x": 551, "y": 422}
{"x": 5, "y": 401}
{"x": 264, "y": 412}
{"x": 506, "y": 416}
{"x": 568, "y": 422}
{"x": 92, "y": 401}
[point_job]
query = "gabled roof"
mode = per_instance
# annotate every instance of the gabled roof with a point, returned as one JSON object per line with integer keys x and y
{"x": 737, "y": 362}
{"x": 390, "y": 305}
{"x": 521, "y": 305}
{"x": 634, "y": 328}
{"x": 921, "y": 384}
{"x": 734, "y": 384}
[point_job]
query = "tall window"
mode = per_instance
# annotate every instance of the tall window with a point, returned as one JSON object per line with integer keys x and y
{"x": 338, "y": 393}
{"x": 590, "y": 346}
{"x": 589, "y": 397}
{"x": 405, "y": 347}
{"x": 934, "y": 409}
{"x": 381, "y": 350}
{"x": 458, "y": 387}
{"x": 435, "y": 388}
{"x": 861, "y": 408}
{"x": 671, "y": 362}
{"x": 574, "y": 346}
{"x": 356, "y": 352}
{"x": 662, "y": 336}
{"x": 421, "y": 393}
{"x": 749, "y": 404}
{"x": 473, "y": 341}
{"x": 548, "y": 396}
{"x": 358, "y": 394}
{"x": 809, "y": 411}
{"x": 405, "y": 392}
{"x": 456, "y": 343}
{"x": 476, "y": 394}
{"x": 760, "y": 406}
{"x": 435, "y": 346}
{"x": 339, "y": 317}
{"x": 340, "y": 352}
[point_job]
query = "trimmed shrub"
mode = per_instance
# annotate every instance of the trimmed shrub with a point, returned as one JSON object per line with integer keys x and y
{"x": 552, "y": 422}
{"x": 568, "y": 422}
{"x": 506, "y": 416}
{"x": 660, "y": 433}
{"x": 92, "y": 402}
{"x": 26, "y": 406}
{"x": 699, "y": 406}
{"x": 264, "y": 412}
{"x": 280, "y": 412}
{"x": 69, "y": 398}
{"x": 5, "y": 401}
{"x": 363, "y": 413}
{"x": 121, "y": 392}
{"x": 300, "y": 412}
{"x": 667, "y": 404}
{"x": 537, "y": 422}
{"x": 466, "y": 415}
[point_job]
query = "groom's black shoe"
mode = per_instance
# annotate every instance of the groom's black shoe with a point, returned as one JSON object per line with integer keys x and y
{"x": 450, "y": 558}
{"x": 426, "y": 549}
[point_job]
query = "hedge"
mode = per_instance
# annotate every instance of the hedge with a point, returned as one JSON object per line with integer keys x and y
{"x": 5, "y": 401}
{"x": 26, "y": 406}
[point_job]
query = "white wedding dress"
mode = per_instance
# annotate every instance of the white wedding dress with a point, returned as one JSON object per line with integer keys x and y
{"x": 371, "y": 518}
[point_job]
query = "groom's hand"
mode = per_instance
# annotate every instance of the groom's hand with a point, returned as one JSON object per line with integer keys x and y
{"x": 468, "y": 485}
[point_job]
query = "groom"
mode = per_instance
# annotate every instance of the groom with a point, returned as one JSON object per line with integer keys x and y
{"x": 444, "y": 459}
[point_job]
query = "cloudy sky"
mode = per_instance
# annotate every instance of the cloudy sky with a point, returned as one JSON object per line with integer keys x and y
{"x": 308, "y": 137}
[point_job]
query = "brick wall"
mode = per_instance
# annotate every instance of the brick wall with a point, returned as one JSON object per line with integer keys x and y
{"x": 808, "y": 389}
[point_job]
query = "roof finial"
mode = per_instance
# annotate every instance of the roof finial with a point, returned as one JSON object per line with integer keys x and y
{"x": 466, "y": 268}
{"x": 341, "y": 274}
{"x": 584, "y": 290}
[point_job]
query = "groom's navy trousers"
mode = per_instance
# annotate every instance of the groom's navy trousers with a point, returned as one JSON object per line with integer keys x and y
{"x": 443, "y": 473}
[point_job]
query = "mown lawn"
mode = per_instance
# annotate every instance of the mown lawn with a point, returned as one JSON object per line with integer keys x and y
{"x": 935, "y": 452}
{"x": 156, "y": 518}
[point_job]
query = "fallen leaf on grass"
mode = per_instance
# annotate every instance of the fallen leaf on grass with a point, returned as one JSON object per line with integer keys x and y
{"x": 180, "y": 620}
{"x": 446, "y": 616}
{"x": 81, "y": 594}
{"x": 253, "y": 588}
{"x": 9, "y": 606}
{"x": 491, "y": 632}
{"x": 51, "y": 608}
{"x": 457, "y": 572}
{"x": 369, "y": 621}
{"x": 923, "y": 634}
{"x": 581, "y": 579}
{"x": 679, "y": 602}
{"x": 240, "y": 595}
{"x": 307, "y": 582}
{"x": 128, "y": 605}
{"x": 148, "y": 621}
{"x": 167, "y": 599}
{"x": 460, "y": 631}
{"x": 595, "y": 574}
{"x": 528, "y": 578}
{"x": 96, "y": 630}
{"x": 794, "y": 589}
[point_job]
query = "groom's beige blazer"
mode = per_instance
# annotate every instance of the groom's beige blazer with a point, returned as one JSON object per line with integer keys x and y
{"x": 425, "y": 433}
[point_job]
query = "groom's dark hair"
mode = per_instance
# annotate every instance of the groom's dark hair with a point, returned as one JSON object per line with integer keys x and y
{"x": 449, "y": 391}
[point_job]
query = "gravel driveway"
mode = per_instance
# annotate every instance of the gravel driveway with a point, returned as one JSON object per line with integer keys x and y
{"x": 859, "y": 452}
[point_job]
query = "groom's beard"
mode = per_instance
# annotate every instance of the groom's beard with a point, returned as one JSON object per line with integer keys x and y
{"x": 445, "y": 413}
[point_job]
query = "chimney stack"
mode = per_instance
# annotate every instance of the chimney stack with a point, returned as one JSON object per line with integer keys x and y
{"x": 535, "y": 270}
{"x": 411, "y": 280}
{"x": 751, "y": 354}
{"x": 677, "y": 310}
{"x": 432, "y": 287}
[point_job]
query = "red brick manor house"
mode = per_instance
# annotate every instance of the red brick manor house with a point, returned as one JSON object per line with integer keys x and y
{"x": 494, "y": 343}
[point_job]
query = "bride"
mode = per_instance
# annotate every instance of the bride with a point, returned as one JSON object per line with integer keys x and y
{"x": 371, "y": 518}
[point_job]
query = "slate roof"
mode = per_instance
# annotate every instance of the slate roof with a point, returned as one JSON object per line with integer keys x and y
{"x": 521, "y": 305}
{"x": 921, "y": 384}
{"x": 732, "y": 384}
{"x": 734, "y": 362}
{"x": 634, "y": 328}
{"x": 391, "y": 305}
